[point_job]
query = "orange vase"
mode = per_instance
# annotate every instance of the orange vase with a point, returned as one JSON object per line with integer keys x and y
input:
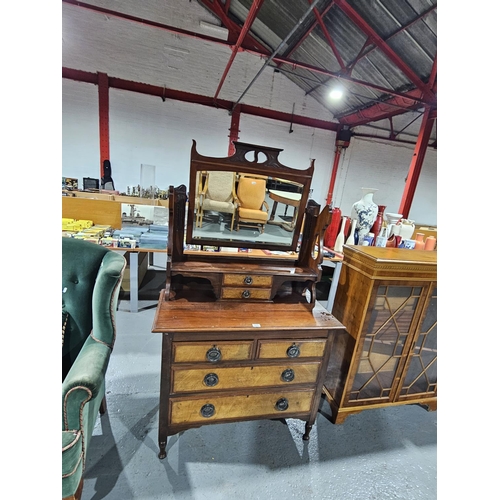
{"x": 430, "y": 243}
{"x": 419, "y": 241}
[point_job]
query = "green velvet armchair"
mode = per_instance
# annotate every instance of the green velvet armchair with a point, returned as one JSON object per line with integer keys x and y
{"x": 91, "y": 278}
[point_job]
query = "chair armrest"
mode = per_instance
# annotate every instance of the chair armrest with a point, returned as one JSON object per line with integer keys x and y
{"x": 105, "y": 297}
{"x": 83, "y": 381}
{"x": 266, "y": 205}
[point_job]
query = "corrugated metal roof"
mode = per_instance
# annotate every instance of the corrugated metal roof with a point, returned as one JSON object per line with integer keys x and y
{"x": 381, "y": 52}
{"x": 400, "y": 52}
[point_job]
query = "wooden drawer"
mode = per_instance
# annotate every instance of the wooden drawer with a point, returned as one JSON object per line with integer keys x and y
{"x": 290, "y": 349}
{"x": 212, "y": 408}
{"x": 247, "y": 280}
{"x": 216, "y": 378}
{"x": 246, "y": 293}
{"x": 201, "y": 352}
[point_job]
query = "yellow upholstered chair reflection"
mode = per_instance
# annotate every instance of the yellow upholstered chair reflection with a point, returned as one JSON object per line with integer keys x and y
{"x": 252, "y": 209}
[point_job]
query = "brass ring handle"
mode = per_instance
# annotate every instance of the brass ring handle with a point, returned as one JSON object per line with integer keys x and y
{"x": 293, "y": 351}
{"x": 214, "y": 354}
{"x": 207, "y": 410}
{"x": 211, "y": 379}
{"x": 248, "y": 280}
{"x": 287, "y": 375}
{"x": 246, "y": 294}
{"x": 281, "y": 404}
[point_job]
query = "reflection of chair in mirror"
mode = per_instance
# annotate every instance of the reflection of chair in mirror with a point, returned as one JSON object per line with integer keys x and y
{"x": 251, "y": 200}
{"x": 217, "y": 194}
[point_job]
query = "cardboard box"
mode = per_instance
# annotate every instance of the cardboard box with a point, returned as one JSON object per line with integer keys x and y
{"x": 142, "y": 268}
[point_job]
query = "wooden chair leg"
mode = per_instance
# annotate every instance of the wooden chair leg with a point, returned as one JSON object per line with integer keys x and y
{"x": 102, "y": 407}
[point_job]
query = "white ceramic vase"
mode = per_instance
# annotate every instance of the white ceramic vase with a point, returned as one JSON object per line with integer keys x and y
{"x": 339, "y": 241}
{"x": 365, "y": 212}
{"x": 350, "y": 239}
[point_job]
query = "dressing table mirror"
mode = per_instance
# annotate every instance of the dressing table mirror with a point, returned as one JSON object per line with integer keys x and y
{"x": 246, "y": 200}
{"x": 249, "y": 201}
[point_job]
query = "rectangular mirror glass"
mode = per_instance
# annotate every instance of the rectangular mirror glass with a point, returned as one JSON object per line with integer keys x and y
{"x": 248, "y": 200}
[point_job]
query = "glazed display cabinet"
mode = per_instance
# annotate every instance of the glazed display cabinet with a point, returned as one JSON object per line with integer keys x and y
{"x": 387, "y": 300}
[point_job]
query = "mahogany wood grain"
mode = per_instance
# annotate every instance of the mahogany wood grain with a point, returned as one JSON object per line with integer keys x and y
{"x": 183, "y": 316}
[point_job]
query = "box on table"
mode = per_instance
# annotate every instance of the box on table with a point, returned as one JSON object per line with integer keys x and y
{"x": 142, "y": 259}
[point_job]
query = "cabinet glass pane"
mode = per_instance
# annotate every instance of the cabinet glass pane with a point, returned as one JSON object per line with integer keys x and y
{"x": 387, "y": 332}
{"x": 422, "y": 372}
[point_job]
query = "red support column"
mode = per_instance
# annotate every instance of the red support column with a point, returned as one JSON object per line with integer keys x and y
{"x": 417, "y": 161}
{"x": 234, "y": 130}
{"x": 336, "y": 159}
{"x": 103, "y": 91}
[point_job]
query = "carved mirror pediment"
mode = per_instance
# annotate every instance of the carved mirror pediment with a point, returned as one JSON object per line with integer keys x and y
{"x": 247, "y": 200}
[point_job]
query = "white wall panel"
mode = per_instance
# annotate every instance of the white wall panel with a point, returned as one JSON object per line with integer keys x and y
{"x": 80, "y": 131}
{"x": 384, "y": 165}
{"x": 299, "y": 147}
{"x": 145, "y": 130}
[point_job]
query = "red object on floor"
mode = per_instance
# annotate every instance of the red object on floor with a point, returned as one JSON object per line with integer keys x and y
{"x": 333, "y": 229}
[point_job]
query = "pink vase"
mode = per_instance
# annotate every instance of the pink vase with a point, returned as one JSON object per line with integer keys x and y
{"x": 419, "y": 241}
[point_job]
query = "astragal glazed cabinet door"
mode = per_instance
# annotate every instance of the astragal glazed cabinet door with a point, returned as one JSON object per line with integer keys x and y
{"x": 396, "y": 352}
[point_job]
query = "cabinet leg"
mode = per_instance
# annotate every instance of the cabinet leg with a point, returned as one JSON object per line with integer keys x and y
{"x": 305, "y": 437}
{"x": 163, "y": 450}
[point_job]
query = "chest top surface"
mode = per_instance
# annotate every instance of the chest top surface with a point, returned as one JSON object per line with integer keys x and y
{"x": 187, "y": 316}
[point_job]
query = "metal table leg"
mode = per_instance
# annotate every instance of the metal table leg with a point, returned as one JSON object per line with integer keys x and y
{"x": 134, "y": 281}
{"x": 333, "y": 286}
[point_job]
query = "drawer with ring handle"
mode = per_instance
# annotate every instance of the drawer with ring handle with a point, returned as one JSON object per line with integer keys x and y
{"x": 291, "y": 349}
{"x": 253, "y": 280}
{"x": 201, "y": 352}
{"x": 246, "y": 293}
{"x": 215, "y": 408}
{"x": 240, "y": 377}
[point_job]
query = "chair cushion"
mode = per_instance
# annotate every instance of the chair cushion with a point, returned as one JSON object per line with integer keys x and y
{"x": 252, "y": 215}
{"x": 218, "y": 206}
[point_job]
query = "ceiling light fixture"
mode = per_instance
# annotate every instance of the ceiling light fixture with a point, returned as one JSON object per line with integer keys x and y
{"x": 336, "y": 93}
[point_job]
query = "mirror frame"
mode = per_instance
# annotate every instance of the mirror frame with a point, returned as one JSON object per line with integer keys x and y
{"x": 238, "y": 162}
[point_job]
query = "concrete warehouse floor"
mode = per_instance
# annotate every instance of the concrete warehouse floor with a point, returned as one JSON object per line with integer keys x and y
{"x": 377, "y": 454}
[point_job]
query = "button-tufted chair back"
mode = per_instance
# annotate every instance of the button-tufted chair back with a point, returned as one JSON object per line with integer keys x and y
{"x": 82, "y": 296}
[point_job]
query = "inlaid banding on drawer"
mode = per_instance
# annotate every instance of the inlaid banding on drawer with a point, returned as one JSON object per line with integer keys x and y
{"x": 247, "y": 280}
{"x": 246, "y": 293}
{"x": 191, "y": 380}
{"x": 194, "y": 352}
{"x": 276, "y": 403}
{"x": 291, "y": 349}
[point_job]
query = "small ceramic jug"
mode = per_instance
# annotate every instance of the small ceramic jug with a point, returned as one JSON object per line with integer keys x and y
{"x": 406, "y": 229}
